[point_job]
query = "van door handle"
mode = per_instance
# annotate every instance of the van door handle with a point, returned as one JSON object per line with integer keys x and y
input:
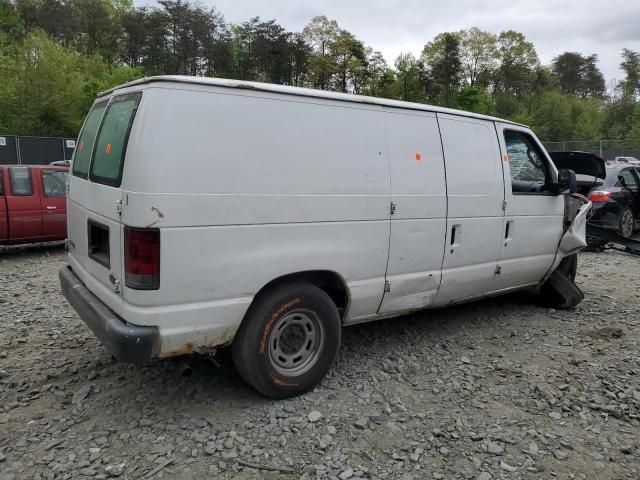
{"x": 456, "y": 232}
{"x": 508, "y": 232}
{"x": 51, "y": 207}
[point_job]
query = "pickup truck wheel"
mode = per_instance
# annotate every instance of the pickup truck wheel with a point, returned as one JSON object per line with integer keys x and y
{"x": 288, "y": 340}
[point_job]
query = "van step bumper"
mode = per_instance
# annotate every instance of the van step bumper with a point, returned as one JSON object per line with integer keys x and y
{"x": 126, "y": 342}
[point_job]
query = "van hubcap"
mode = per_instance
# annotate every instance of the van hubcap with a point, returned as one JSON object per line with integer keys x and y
{"x": 627, "y": 224}
{"x": 295, "y": 343}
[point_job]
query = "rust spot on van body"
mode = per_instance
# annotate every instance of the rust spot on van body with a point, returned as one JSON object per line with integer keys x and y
{"x": 209, "y": 341}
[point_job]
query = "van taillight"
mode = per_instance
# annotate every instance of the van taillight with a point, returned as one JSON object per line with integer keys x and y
{"x": 142, "y": 258}
{"x": 600, "y": 196}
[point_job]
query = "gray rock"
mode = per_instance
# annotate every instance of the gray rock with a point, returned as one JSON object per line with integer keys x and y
{"x": 314, "y": 416}
{"x": 494, "y": 448}
{"x": 348, "y": 473}
{"x": 115, "y": 470}
{"x": 507, "y": 467}
{"x": 560, "y": 454}
{"x": 81, "y": 394}
{"x": 484, "y": 476}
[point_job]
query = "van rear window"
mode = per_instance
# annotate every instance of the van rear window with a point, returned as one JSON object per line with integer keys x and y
{"x": 84, "y": 148}
{"x": 111, "y": 143}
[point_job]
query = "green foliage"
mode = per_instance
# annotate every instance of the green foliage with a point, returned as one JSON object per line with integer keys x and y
{"x": 444, "y": 69}
{"x": 578, "y": 75}
{"x": 408, "y": 85}
{"x": 56, "y": 55}
{"x": 474, "y": 100}
{"x": 46, "y": 88}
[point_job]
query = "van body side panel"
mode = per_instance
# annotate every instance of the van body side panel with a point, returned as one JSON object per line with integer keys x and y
{"x": 418, "y": 225}
{"x": 536, "y": 225}
{"x": 217, "y": 275}
{"x": 247, "y": 187}
{"x": 475, "y": 219}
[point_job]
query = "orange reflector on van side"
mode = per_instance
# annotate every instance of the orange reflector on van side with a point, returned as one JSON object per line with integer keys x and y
{"x": 505, "y": 158}
{"x": 418, "y": 156}
{"x": 108, "y": 148}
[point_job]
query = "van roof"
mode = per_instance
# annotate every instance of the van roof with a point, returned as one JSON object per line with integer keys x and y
{"x": 303, "y": 92}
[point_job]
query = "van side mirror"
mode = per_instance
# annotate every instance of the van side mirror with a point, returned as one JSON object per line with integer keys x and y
{"x": 566, "y": 182}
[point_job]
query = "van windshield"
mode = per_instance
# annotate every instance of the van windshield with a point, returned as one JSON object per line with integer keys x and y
{"x": 82, "y": 154}
{"x": 111, "y": 144}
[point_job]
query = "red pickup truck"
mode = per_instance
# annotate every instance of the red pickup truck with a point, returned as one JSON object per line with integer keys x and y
{"x": 33, "y": 204}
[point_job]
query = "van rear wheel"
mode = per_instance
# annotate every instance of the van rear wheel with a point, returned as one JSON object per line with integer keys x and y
{"x": 288, "y": 340}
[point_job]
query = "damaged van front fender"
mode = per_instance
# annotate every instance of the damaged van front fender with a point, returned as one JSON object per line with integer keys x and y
{"x": 577, "y": 207}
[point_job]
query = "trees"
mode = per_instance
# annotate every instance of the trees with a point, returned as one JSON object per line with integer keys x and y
{"x": 408, "y": 86}
{"x": 478, "y": 56}
{"x": 631, "y": 67}
{"x": 321, "y": 33}
{"x": 442, "y": 60}
{"x": 592, "y": 80}
{"x": 578, "y": 75}
{"x": 55, "y": 55}
{"x": 517, "y": 63}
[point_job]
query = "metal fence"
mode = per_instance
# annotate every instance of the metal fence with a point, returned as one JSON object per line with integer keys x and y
{"x": 17, "y": 150}
{"x": 607, "y": 149}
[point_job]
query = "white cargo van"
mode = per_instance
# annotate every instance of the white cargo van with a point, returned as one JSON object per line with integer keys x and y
{"x": 206, "y": 212}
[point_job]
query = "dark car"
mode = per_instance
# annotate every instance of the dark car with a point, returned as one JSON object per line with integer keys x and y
{"x": 616, "y": 204}
{"x": 613, "y": 189}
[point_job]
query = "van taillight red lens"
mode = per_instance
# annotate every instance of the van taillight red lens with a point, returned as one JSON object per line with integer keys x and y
{"x": 600, "y": 197}
{"x": 142, "y": 258}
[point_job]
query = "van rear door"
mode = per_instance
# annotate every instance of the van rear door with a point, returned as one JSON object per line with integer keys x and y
{"x": 95, "y": 197}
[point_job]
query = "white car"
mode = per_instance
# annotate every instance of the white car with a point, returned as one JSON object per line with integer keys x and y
{"x": 627, "y": 160}
{"x": 205, "y": 213}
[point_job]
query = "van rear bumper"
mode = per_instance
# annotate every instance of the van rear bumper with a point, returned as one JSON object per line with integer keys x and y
{"x": 126, "y": 342}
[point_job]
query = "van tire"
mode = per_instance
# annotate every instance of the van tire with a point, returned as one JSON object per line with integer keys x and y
{"x": 288, "y": 324}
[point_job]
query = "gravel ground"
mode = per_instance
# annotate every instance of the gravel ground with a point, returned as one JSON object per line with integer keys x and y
{"x": 501, "y": 389}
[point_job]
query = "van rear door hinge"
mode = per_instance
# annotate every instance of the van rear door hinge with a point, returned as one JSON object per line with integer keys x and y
{"x": 504, "y": 205}
{"x": 119, "y": 207}
{"x": 387, "y": 286}
{"x": 498, "y": 270}
{"x": 392, "y": 210}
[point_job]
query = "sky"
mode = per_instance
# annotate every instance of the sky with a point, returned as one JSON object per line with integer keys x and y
{"x": 603, "y": 27}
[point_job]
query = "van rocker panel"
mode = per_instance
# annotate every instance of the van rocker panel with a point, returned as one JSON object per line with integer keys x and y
{"x": 126, "y": 342}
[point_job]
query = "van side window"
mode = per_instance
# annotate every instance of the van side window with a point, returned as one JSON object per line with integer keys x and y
{"x": 529, "y": 171}
{"x": 111, "y": 144}
{"x": 20, "y": 179}
{"x": 84, "y": 147}
{"x": 54, "y": 184}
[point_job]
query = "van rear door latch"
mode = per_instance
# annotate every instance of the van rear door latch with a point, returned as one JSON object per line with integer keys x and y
{"x": 115, "y": 282}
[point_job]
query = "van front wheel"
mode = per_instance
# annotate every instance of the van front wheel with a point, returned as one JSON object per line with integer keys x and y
{"x": 288, "y": 340}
